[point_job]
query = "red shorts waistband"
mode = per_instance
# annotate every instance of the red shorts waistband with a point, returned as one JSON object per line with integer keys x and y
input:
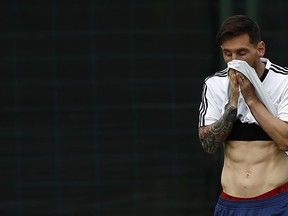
{"x": 278, "y": 190}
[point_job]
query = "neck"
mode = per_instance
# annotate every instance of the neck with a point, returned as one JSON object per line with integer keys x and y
{"x": 260, "y": 69}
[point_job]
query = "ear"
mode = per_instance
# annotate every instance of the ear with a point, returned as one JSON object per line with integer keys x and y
{"x": 261, "y": 49}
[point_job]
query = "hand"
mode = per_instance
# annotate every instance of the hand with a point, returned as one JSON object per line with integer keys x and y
{"x": 234, "y": 88}
{"x": 246, "y": 88}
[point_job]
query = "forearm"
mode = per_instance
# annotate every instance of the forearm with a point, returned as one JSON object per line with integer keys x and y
{"x": 274, "y": 127}
{"x": 212, "y": 136}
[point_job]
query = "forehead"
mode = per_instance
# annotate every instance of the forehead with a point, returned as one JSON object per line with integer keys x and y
{"x": 237, "y": 42}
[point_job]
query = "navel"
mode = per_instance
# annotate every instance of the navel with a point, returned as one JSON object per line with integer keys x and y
{"x": 248, "y": 174}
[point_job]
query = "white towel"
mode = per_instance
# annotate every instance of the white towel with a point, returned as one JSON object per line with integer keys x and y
{"x": 249, "y": 72}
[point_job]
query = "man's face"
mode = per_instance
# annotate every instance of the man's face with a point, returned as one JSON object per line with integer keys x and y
{"x": 240, "y": 48}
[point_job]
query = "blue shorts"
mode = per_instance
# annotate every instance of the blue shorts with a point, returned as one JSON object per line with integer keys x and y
{"x": 274, "y": 205}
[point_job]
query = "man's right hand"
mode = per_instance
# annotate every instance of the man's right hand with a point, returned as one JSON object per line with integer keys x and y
{"x": 234, "y": 88}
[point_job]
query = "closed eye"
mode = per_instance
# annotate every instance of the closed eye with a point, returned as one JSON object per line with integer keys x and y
{"x": 242, "y": 53}
{"x": 226, "y": 53}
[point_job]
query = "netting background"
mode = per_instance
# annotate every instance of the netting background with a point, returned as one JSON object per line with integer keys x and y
{"x": 99, "y": 105}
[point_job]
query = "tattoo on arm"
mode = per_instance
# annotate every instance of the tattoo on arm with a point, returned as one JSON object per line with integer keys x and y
{"x": 212, "y": 136}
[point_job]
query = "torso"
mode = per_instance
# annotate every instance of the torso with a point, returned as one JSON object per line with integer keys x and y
{"x": 252, "y": 168}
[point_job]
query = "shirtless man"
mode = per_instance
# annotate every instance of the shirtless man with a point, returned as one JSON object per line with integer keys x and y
{"x": 255, "y": 170}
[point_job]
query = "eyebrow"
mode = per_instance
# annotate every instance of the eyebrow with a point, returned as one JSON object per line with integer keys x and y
{"x": 237, "y": 50}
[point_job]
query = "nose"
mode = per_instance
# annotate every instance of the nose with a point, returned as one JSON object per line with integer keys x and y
{"x": 234, "y": 56}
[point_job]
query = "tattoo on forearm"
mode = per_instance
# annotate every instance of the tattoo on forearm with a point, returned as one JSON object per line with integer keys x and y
{"x": 212, "y": 136}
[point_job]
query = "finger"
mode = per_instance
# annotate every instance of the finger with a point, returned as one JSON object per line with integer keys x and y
{"x": 240, "y": 78}
{"x": 231, "y": 72}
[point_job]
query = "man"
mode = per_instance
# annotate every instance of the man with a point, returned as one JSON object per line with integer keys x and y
{"x": 255, "y": 171}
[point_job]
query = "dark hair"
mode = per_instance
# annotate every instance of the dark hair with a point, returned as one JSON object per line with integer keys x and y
{"x": 238, "y": 25}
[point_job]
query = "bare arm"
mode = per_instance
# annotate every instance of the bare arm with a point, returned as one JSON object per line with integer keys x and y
{"x": 212, "y": 136}
{"x": 274, "y": 127}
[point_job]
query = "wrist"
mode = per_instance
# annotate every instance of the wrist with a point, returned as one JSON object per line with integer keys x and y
{"x": 232, "y": 104}
{"x": 230, "y": 111}
{"x": 252, "y": 103}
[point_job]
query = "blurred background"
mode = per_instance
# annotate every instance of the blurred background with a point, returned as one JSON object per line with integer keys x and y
{"x": 99, "y": 103}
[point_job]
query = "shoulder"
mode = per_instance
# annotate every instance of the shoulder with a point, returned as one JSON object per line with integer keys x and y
{"x": 278, "y": 69}
{"x": 277, "y": 80}
{"x": 217, "y": 75}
